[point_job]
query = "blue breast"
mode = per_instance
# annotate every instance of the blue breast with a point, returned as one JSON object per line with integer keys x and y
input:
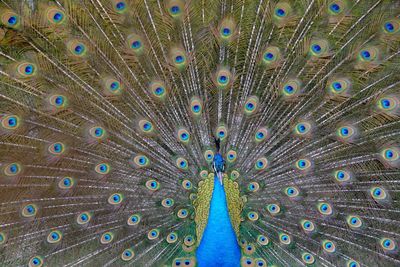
{"x": 219, "y": 245}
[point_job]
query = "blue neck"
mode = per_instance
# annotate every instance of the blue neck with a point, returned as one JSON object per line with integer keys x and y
{"x": 219, "y": 245}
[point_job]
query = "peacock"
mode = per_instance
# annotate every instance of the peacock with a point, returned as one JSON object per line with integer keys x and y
{"x": 203, "y": 133}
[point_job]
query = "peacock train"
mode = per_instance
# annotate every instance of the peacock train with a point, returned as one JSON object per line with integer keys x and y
{"x": 183, "y": 133}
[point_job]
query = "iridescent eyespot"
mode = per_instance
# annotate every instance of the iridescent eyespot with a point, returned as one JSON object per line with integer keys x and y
{"x": 388, "y": 104}
{"x": 141, "y": 161}
{"x": 3, "y": 238}
{"x": 29, "y": 210}
{"x": 66, "y": 183}
{"x": 77, "y": 48}
{"x": 189, "y": 240}
{"x": 251, "y": 105}
{"x": 223, "y": 78}
{"x": 58, "y": 101}
{"x": 226, "y": 30}
{"x": 261, "y": 164}
{"x": 175, "y": 8}
{"x": 285, "y": 238}
{"x": 102, "y": 168}
{"x": 203, "y": 174}
{"x": 378, "y": 193}
{"x": 307, "y": 258}
{"x": 182, "y": 213}
{"x": 178, "y": 58}
{"x": 388, "y": 244}
{"x": 242, "y": 242}
{"x": 260, "y": 262}
{"x": 368, "y": 54}
{"x": 390, "y": 156}
{"x": 291, "y": 88}
{"x": 106, "y": 238}
{"x": 352, "y": 263}
{"x": 167, "y": 202}
{"x": 187, "y": 262}
{"x": 234, "y": 174}
{"x": 262, "y": 240}
{"x": 324, "y": 208}
{"x": 342, "y": 176}
{"x": 153, "y": 234}
{"x": 346, "y": 132}
{"x": 56, "y": 149}
{"x": 36, "y": 261}
{"x": 54, "y": 237}
{"x": 273, "y": 209}
{"x": 281, "y": 11}
{"x": 115, "y": 199}
{"x": 183, "y": 135}
{"x": 158, "y": 89}
{"x": 391, "y": 26}
{"x": 112, "y": 87}
{"x": 135, "y": 44}
{"x": 261, "y": 134}
{"x": 339, "y": 86}
{"x": 303, "y": 164}
{"x": 83, "y": 218}
{"x": 209, "y": 155}
{"x": 172, "y": 238}
{"x": 127, "y": 254}
{"x": 146, "y": 126}
{"x": 247, "y": 262}
{"x": 97, "y": 132}
{"x": 354, "y": 221}
{"x": 319, "y": 48}
{"x": 252, "y": 216}
{"x": 253, "y": 187}
{"x": 292, "y": 191}
{"x": 10, "y": 122}
{"x": 328, "y": 246}
{"x": 302, "y": 128}
{"x": 307, "y": 226}
{"x": 10, "y": 19}
{"x": 182, "y": 163}
{"x": 271, "y": 56}
{"x": 119, "y": 6}
{"x": 134, "y": 219}
{"x": 221, "y": 132}
{"x": 249, "y": 249}
{"x": 12, "y": 169}
{"x": 55, "y": 16}
{"x": 336, "y": 7}
{"x": 231, "y": 156}
{"x": 26, "y": 70}
{"x": 196, "y": 106}
{"x": 187, "y": 184}
{"x": 152, "y": 185}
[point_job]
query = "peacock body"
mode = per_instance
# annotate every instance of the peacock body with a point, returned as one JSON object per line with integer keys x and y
{"x": 199, "y": 133}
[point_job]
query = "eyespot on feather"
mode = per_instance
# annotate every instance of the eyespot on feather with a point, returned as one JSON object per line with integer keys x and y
{"x": 36, "y": 261}
{"x": 10, "y": 19}
{"x": 128, "y": 254}
{"x": 54, "y": 16}
{"x": 77, "y": 48}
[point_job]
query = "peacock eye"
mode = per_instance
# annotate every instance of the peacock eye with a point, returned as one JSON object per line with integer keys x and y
{"x": 280, "y": 12}
{"x": 175, "y": 9}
